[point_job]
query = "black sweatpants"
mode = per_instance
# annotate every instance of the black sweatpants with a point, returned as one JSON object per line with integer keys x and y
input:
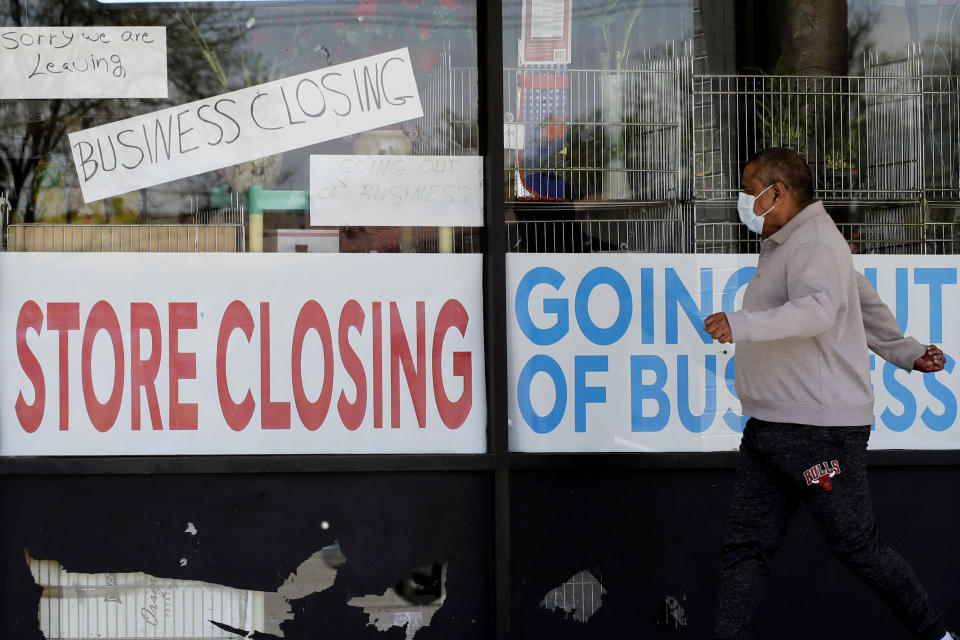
{"x": 825, "y": 467}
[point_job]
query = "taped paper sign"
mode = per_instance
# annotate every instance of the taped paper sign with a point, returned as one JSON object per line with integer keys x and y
{"x": 243, "y": 125}
{"x": 396, "y": 190}
{"x": 83, "y": 62}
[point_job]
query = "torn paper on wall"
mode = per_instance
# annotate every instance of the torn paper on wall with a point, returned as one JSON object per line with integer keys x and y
{"x": 135, "y": 605}
{"x": 80, "y": 606}
{"x": 675, "y": 614}
{"x": 412, "y": 603}
{"x": 580, "y": 596}
{"x": 314, "y": 574}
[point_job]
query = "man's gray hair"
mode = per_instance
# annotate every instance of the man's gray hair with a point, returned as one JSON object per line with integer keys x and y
{"x": 777, "y": 164}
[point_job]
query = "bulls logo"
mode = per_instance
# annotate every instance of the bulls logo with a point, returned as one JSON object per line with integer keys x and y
{"x": 822, "y": 474}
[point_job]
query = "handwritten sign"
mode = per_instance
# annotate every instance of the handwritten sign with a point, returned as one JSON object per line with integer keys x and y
{"x": 392, "y": 190}
{"x": 83, "y": 62}
{"x": 243, "y": 125}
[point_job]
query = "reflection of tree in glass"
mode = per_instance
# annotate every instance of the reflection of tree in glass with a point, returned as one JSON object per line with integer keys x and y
{"x": 34, "y": 132}
{"x": 615, "y": 19}
{"x": 859, "y": 36}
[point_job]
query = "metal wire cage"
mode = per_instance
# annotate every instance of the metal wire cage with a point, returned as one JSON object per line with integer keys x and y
{"x": 599, "y": 135}
{"x": 941, "y": 142}
{"x": 877, "y": 229}
{"x": 663, "y": 228}
{"x": 449, "y": 125}
{"x": 942, "y": 228}
{"x": 861, "y": 135}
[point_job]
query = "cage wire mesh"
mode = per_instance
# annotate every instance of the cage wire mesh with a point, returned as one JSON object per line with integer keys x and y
{"x": 654, "y": 228}
{"x": 591, "y": 134}
{"x": 595, "y": 159}
{"x": 875, "y": 229}
{"x": 860, "y": 135}
{"x": 234, "y": 212}
{"x": 942, "y": 228}
{"x": 450, "y": 127}
{"x": 941, "y": 141}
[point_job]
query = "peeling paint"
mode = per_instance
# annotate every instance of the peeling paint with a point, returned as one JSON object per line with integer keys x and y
{"x": 191, "y": 529}
{"x": 78, "y": 606}
{"x": 412, "y": 603}
{"x": 675, "y": 614}
{"x": 580, "y": 596}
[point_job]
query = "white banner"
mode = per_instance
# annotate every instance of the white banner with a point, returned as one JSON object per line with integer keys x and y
{"x": 396, "y": 191}
{"x": 83, "y": 62}
{"x": 243, "y": 125}
{"x": 163, "y": 354}
{"x": 606, "y": 352}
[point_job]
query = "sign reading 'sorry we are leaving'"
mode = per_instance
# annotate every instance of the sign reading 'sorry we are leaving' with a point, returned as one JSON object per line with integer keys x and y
{"x": 83, "y": 62}
{"x": 243, "y": 125}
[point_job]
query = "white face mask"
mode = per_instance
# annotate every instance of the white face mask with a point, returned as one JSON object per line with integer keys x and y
{"x": 745, "y": 204}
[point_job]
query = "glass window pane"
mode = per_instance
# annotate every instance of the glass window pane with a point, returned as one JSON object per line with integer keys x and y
{"x": 193, "y": 168}
{"x": 595, "y": 112}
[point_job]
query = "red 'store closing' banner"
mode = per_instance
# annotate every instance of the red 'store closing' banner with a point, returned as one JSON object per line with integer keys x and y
{"x": 172, "y": 354}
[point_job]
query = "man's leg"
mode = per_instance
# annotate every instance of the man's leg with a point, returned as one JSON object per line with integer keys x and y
{"x": 841, "y": 506}
{"x": 759, "y": 511}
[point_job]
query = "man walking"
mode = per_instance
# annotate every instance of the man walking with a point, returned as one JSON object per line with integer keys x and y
{"x": 803, "y": 375}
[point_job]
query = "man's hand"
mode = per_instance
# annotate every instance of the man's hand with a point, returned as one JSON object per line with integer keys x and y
{"x": 932, "y": 360}
{"x": 719, "y": 329}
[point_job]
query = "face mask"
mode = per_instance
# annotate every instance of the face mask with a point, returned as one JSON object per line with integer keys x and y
{"x": 745, "y": 204}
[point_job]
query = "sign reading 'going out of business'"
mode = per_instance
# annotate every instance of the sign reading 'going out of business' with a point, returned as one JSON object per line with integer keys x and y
{"x": 396, "y": 190}
{"x": 243, "y": 125}
{"x": 607, "y": 352}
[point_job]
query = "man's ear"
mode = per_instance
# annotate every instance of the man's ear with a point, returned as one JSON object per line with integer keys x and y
{"x": 779, "y": 192}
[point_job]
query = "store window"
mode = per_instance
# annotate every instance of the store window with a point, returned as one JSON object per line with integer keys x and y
{"x": 595, "y": 100}
{"x": 627, "y": 127}
{"x": 134, "y": 132}
{"x": 172, "y": 127}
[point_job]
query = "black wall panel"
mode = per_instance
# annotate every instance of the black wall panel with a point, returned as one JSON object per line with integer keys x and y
{"x": 253, "y": 531}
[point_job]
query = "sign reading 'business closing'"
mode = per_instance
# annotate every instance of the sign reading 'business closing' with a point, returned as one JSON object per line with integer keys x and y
{"x": 251, "y": 123}
{"x": 245, "y": 354}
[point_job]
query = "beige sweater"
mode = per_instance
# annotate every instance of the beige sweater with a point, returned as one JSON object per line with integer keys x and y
{"x": 807, "y": 320}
